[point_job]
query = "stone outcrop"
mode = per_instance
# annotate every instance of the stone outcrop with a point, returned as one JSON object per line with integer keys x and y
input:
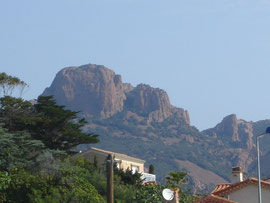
{"x": 237, "y": 136}
{"x": 94, "y": 90}
{"x": 153, "y": 103}
{"x": 237, "y": 132}
{"x": 98, "y": 92}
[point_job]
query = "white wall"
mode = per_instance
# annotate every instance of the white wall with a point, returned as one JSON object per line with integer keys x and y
{"x": 249, "y": 194}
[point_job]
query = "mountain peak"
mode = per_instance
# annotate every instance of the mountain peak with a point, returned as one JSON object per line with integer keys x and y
{"x": 97, "y": 91}
{"x": 92, "y": 89}
{"x": 237, "y": 132}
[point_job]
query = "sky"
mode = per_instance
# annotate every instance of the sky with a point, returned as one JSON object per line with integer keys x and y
{"x": 212, "y": 57}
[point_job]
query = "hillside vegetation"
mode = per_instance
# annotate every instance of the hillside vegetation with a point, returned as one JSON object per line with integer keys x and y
{"x": 37, "y": 141}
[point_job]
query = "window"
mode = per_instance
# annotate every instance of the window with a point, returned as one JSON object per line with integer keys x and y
{"x": 134, "y": 169}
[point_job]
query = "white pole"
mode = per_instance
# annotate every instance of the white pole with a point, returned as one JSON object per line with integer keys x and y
{"x": 259, "y": 170}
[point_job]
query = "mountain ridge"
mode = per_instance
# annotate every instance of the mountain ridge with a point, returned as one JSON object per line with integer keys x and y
{"x": 140, "y": 121}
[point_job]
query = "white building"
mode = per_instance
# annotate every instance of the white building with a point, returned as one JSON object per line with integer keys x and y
{"x": 239, "y": 191}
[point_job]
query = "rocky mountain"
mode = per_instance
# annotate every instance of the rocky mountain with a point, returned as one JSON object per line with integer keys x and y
{"x": 94, "y": 90}
{"x": 240, "y": 135}
{"x": 140, "y": 121}
{"x": 98, "y": 92}
{"x": 236, "y": 132}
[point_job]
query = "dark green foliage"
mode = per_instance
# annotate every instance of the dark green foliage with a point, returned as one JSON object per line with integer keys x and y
{"x": 176, "y": 179}
{"x": 151, "y": 169}
{"x": 127, "y": 177}
{"x": 149, "y": 194}
{"x": 18, "y": 150}
{"x": 95, "y": 163}
{"x": 32, "y": 138}
{"x": 187, "y": 197}
{"x": 56, "y": 127}
{"x": 59, "y": 128}
{"x": 97, "y": 177}
{"x": 71, "y": 186}
{"x": 17, "y": 114}
{"x": 4, "y": 180}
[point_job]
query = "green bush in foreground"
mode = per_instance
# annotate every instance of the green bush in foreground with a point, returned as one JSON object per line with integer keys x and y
{"x": 69, "y": 187}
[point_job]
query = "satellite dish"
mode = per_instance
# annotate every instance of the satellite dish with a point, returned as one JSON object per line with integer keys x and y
{"x": 167, "y": 194}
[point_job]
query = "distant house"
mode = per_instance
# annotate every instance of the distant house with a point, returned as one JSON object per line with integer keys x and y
{"x": 123, "y": 161}
{"x": 239, "y": 191}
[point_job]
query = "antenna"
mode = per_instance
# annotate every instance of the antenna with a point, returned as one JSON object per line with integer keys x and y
{"x": 167, "y": 194}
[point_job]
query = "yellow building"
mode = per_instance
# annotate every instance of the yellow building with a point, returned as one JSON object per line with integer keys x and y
{"x": 123, "y": 161}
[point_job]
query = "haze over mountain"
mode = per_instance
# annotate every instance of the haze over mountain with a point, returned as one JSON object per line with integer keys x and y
{"x": 140, "y": 121}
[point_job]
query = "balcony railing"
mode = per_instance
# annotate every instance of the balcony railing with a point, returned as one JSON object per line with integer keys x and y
{"x": 147, "y": 177}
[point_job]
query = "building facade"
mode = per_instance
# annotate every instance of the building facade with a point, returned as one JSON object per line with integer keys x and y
{"x": 122, "y": 161}
{"x": 239, "y": 191}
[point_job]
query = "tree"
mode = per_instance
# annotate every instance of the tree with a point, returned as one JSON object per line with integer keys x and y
{"x": 4, "y": 180}
{"x": 18, "y": 150}
{"x": 151, "y": 169}
{"x": 57, "y": 127}
{"x": 16, "y": 114}
{"x": 127, "y": 177}
{"x": 149, "y": 194}
{"x": 71, "y": 186}
{"x": 176, "y": 178}
{"x": 8, "y": 84}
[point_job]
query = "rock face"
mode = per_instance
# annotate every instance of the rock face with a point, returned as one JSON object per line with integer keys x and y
{"x": 237, "y": 132}
{"x": 98, "y": 92}
{"x": 145, "y": 99}
{"x": 154, "y": 103}
{"x": 94, "y": 90}
{"x": 237, "y": 136}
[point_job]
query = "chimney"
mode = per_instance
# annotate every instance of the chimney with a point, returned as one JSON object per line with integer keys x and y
{"x": 237, "y": 174}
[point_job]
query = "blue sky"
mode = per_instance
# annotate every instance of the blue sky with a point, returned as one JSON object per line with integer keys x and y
{"x": 212, "y": 57}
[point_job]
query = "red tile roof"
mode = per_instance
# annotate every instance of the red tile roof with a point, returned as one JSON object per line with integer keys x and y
{"x": 225, "y": 189}
{"x": 220, "y": 187}
{"x": 267, "y": 179}
{"x": 213, "y": 199}
{"x": 222, "y": 190}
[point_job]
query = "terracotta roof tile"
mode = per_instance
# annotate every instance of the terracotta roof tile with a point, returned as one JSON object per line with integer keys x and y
{"x": 222, "y": 190}
{"x": 267, "y": 179}
{"x": 221, "y": 187}
{"x": 237, "y": 186}
{"x": 214, "y": 199}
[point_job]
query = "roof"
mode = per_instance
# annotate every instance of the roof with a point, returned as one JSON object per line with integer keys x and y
{"x": 117, "y": 155}
{"x": 225, "y": 189}
{"x": 267, "y": 179}
{"x": 214, "y": 199}
{"x": 222, "y": 190}
{"x": 220, "y": 187}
